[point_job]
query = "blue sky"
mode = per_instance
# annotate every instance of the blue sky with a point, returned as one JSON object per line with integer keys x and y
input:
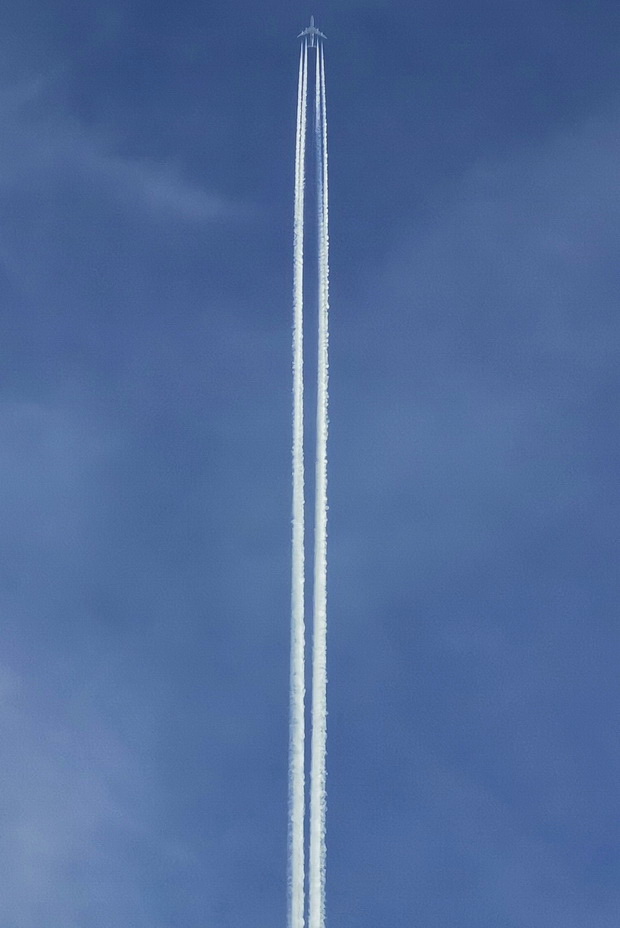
{"x": 146, "y": 178}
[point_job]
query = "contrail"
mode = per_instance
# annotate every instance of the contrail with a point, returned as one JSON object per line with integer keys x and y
{"x": 319, "y": 651}
{"x": 311, "y": 38}
{"x": 297, "y": 674}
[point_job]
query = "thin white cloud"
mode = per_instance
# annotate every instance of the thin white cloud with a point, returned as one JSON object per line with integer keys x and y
{"x": 482, "y": 456}
{"x": 69, "y": 813}
{"x": 77, "y": 795}
{"x": 43, "y": 142}
{"x": 161, "y": 190}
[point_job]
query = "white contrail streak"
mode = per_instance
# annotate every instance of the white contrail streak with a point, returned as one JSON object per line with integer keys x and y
{"x": 317, "y": 867}
{"x": 297, "y": 680}
{"x": 297, "y": 810}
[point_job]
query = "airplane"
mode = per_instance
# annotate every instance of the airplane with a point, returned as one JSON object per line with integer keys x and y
{"x": 313, "y": 33}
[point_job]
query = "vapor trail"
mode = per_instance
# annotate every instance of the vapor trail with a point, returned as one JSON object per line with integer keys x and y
{"x": 319, "y": 650}
{"x": 296, "y": 861}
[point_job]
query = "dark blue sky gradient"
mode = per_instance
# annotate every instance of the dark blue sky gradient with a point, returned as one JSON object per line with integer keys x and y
{"x": 146, "y": 175}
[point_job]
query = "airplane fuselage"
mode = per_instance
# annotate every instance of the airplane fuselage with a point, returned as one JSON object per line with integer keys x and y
{"x": 312, "y": 34}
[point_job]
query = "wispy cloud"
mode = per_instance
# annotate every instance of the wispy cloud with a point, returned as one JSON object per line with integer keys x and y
{"x": 483, "y": 454}
{"x": 44, "y": 141}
